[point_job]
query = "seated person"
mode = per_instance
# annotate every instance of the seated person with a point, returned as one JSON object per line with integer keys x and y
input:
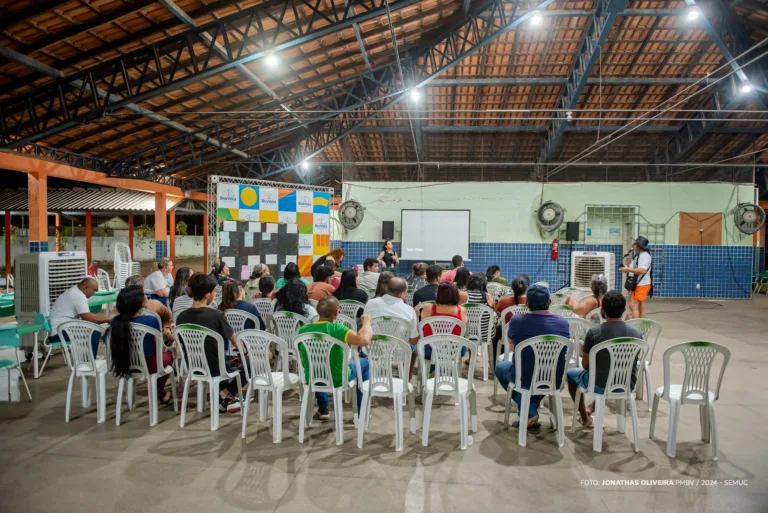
{"x": 419, "y": 277}
{"x": 519, "y": 286}
{"x": 348, "y": 290}
{"x": 328, "y": 309}
{"x": 259, "y": 271}
{"x": 612, "y": 310}
{"x": 522, "y": 327}
{"x": 599, "y": 286}
{"x": 493, "y": 274}
{"x": 370, "y": 276}
{"x": 477, "y": 291}
{"x": 293, "y": 298}
{"x": 450, "y": 276}
{"x": 291, "y": 272}
{"x": 157, "y": 284}
{"x": 462, "y": 278}
{"x": 321, "y": 287}
{"x": 446, "y": 305}
{"x": 203, "y": 289}
{"x": 381, "y": 285}
{"x": 232, "y": 297}
{"x": 72, "y": 305}
{"x": 155, "y": 306}
{"x": 336, "y": 279}
{"x": 130, "y": 301}
{"x": 266, "y": 288}
{"x": 429, "y": 291}
{"x": 220, "y": 272}
{"x": 180, "y": 288}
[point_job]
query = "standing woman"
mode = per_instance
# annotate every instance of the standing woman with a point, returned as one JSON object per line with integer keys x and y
{"x": 388, "y": 257}
{"x": 179, "y": 288}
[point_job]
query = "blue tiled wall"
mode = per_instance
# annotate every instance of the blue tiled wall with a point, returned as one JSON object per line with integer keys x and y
{"x": 38, "y": 247}
{"x": 161, "y": 249}
{"x": 720, "y": 271}
{"x": 759, "y": 265}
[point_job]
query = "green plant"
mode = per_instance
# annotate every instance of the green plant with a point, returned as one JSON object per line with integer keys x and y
{"x": 63, "y": 233}
{"x": 145, "y": 234}
{"x": 181, "y": 228}
{"x": 14, "y": 234}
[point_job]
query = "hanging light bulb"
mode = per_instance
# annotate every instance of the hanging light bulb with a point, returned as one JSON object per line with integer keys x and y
{"x": 305, "y": 165}
{"x": 746, "y": 87}
{"x": 271, "y": 60}
{"x": 536, "y": 18}
{"x": 693, "y": 14}
{"x": 415, "y": 95}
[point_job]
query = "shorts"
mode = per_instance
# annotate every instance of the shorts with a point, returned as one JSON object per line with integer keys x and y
{"x": 641, "y": 292}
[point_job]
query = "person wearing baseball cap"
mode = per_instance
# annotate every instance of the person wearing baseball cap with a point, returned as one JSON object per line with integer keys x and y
{"x": 639, "y": 268}
{"x": 522, "y": 327}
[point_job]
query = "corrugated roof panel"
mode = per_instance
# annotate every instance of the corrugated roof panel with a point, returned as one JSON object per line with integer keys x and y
{"x": 94, "y": 199}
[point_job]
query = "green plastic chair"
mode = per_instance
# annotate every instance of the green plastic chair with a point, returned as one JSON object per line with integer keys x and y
{"x": 9, "y": 339}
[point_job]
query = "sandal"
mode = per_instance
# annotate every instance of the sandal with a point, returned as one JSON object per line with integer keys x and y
{"x": 167, "y": 398}
{"x": 534, "y": 429}
{"x": 586, "y": 425}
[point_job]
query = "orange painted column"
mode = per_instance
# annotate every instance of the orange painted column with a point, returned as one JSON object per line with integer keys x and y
{"x": 130, "y": 234}
{"x": 58, "y": 230}
{"x": 205, "y": 243}
{"x": 161, "y": 229}
{"x": 38, "y": 212}
{"x": 88, "y": 235}
{"x": 7, "y": 246}
{"x": 172, "y": 234}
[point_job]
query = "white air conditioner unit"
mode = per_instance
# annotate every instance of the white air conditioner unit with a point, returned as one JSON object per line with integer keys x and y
{"x": 42, "y": 277}
{"x": 585, "y": 264}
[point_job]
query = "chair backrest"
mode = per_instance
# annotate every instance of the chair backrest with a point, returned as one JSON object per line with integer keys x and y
{"x": 495, "y": 289}
{"x": 699, "y": 357}
{"x": 386, "y": 352}
{"x": 176, "y": 313}
{"x": 257, "y": 344}
{"x": 237, "y": 319}
{"x": 79, "y": 335}
{"x": 138, "y": 361}
{"x": 286, "y": 325}
{"x": 152, "y": 314}
{"x": 192, "y": 337}
{"x": 217, "y": 295}
{"x": 103, "y": 279}
{"x": 546, "y": 355}
{"x": 313, "y": 302}
{"x": 350, "y": 307}
{"x": 567, "y": 291}
{"x": 250, "y": 291}
{"x": 371, "y": 293}
{"x": 409, "y": 297}
{"x": 512, "y": 311}
{"x": 562, "y": 310}
{"x": 123, "y": 264}
{"x": 558, "y": 298}
{"x": 624, "y": 352}
{"x": 446, "y": 357}
{"x": 480, "y": 321}
{"x": 392, "y": 326}
{"x": 594, "y": 316}
{"x": 318, "y": 348}
{"x": 578, "y": 328}
{"x": 442, "y": 325}
{"x": 349, "y": 322}
{"x": 264, "y": 305}
{"x": 651, "y": 331}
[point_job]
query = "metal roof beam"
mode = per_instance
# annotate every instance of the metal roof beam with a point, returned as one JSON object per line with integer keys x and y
{"x": 507, "y": 81}
{"x": 587, "y": 55}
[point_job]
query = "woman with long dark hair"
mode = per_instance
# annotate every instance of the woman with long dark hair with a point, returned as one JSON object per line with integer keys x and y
{"x": 180, "y": 284}
{"x": 348, "y": 288}
{"x": 383, "y": 283}
{"x": 462, "y": 277}
{"x": 291, "y": 272}
{"x": 493, "y": 274}
{"x": 129, "y": 303}
{"x": 293, "y": 298}
{"x": 519, "y": 286}
{"x": 232, "y": 298}
{"x": 477, "y": 290}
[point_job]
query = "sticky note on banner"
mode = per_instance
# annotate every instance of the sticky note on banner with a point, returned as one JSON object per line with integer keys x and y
{"x": 248, "y": 240}
{"x": 224, "y": 239}
{"x": 254, "y": 260}
{"x": 245, "y": 272}
{"x": 229, "y": 226}
{"x": 266, "y": 236}
{"x": 230, "y": 261}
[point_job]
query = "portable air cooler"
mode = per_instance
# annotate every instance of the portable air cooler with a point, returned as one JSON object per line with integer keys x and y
{"x": 42, "y": 277}
{"x": 585, "y": 264}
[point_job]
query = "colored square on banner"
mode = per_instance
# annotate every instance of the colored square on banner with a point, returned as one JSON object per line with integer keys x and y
{"x": 286, "y": 200}
{"x": 322, "y": 224}
{"x": 227, "y": 196}
{"x": 267, "y": 216}
{"x": 267, "y": 198}
{"x": 249, "y": 215}
{"x": 306, "y": 229}
{"x": 305, "y": 201}
{"x": 322, "y": 244}
{"x": 228, "y": 214}
{"x": 305, "y": 265}
{"x": 321, "y": 203}
{"x": 249, "y": 197}
{"x": 306, "y": 243}
{"x": 286, "y": 217}
{"x": 304, "y": 218}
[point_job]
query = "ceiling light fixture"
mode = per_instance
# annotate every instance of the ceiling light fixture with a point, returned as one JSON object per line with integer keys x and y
{"x": 415, "y": 95}
{"x": 271, "y": 60}
{"x": 536, "y": 18}
{"x": 746, "y": 87}
{"x": 693, "y": 14}
{"x": 305, "y": 165}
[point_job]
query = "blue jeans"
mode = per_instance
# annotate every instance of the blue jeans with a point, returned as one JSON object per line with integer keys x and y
{"x": 95, "y": 339}
{"x": 163, "y": 300}
{"x": 505, "y": 373}
{"x": 322, "y": 397}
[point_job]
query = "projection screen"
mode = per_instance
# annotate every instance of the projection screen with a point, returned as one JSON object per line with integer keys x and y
{"x": 434, "y": 234}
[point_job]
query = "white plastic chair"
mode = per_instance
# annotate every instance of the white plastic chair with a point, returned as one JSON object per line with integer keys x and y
{"x": 257, "y": 344}
{"x": 393, "y": 326}
{"x": 140, "y": 370}
{"x": 237, "y": 319}
{"x": 386, "y": 352}
{"x": 264, "y": 305}
{"x": 495, "y": 289}
{"x": 651, "y": 331}
{"x": 152, "y": 314}
{"x": 286, "y": 326}
{"x": 313, "y": 302}
{"x": 349, "y": 322}
{"x": 102, "y": 277}
{"x": 558, "y": 298}
{"x": 192, "y": 338}
{"x": 562, "y": 310}
{"x": 481, "y": 321}
{"x": 439, "y": 325}
{"x": 84, "y": 365}
{"x": 546, "y": 355}
{"x": 371, "y": 293}
{"x": 409, "y": 297}
{"x": 446, "y": 356}
{"x": 578, "y": 329}
{"x": 350, "y": 307}
{"x": 624, "y": 353}
{"x": 318, "y": 347}
{"x": 698, "y": 359}
{"x": 594, "y": 317}
{"x": 176, "y": 313}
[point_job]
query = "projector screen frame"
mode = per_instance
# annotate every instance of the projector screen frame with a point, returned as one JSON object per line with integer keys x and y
{"x": 469, "y": 229}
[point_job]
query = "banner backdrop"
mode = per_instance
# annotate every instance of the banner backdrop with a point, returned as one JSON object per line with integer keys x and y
{"x": 303, "y": 213}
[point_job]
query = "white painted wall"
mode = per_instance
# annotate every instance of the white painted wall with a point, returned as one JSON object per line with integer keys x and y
{"x": 504, "y": 211}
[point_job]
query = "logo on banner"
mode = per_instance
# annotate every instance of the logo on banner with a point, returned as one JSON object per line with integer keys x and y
{"x": 305, "y": 201}
{"x": 227, "y": 194}
{"x": 305, "y": 245}
{"x": 322, "y": 224}
{"x": 268, "y": 199}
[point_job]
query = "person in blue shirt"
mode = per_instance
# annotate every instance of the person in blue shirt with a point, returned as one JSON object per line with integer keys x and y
{"x": 232, "y": 297}
{"x": 522, "y": 327}
{"x": 129, "y": 303}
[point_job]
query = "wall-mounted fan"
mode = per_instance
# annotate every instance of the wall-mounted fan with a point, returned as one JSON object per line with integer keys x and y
{"x": 748, "y": 217}
{"x": 351, "y": 214}
{"x": 550, "y": 216}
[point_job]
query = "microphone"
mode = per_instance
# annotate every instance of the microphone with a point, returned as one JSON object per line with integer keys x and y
{"x": 627, "y": 253}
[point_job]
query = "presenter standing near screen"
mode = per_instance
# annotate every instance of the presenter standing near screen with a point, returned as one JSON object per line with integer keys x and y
{"x": 388, "y": 257}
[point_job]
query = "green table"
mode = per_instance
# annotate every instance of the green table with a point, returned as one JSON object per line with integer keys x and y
{"x": 6, "y": 308}
{"x": 100, "y": 299}
{"x": 9, "y": 339}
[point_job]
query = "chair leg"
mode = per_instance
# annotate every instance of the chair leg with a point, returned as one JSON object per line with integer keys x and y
{"x": 45, "y": 360}
{"x": 277, "y": 416}
{"x": 426, "y": 414}
{"x": 245, "y": 406}
{"x": 462, "y": 422}
{"x": 575, "y": 410}
{"x": 397, "y": 403}
{"x": 263, "y": 405}
{"x": 704, "y": 421}
{"x": 84, "y": 392}
{"x": 473, "y": 409}
{"x": 674, "y": 414}
{"x": 485, "y": 361}
{"x": 131, "y": 394}
{"x": 185, "y": 399}
{"x": 559, "y": 414}
{"x": 635, "y": 434}
{"x": 648, "y": 386}
{"x": 522, "y": 433}
{"x": 338, "y": 413}
{"x": 120, "y": 390}
{"x": 412, "y": 411}
{"x": 21, "y": 372}
{"x": 552, "y": 417}
{"x": 654, "y": 411}
{"x": 303, "y": 416}
{"x": 508, "y": 406}
{"x": 69, "y": 396}
{"x": 239, "y": 393}
{"x": 639, "y": 386}
{"x": 214, "y": 393}
{"x": 361, "y": 426}
{"x": 201, "y": 396}
{"x": 174, "y": 392}
{"x": 153, "y": 402}
{"x": 713, "y": 429}
{"x": 101, "y": 398}
{"x": 597, "y": 438}
{"x": 35, "y": 354}
{"x": 621, "y": 415}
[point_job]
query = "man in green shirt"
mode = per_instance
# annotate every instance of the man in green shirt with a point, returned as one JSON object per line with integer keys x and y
{"x": 328, "y": 309}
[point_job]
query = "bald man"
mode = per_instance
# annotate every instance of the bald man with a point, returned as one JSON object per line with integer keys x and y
{"x": 72, "y": 305}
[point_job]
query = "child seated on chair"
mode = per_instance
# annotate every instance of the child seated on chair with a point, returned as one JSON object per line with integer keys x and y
{"x": 328, "y": 309}
{"x": 612, "y": 309}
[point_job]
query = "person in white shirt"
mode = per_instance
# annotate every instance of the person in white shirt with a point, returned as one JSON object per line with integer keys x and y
{"x": 72, "y": 305}
{"x": 370, "y": 276}
{"x": 156, "y": 284}
{"x": 639, "y": 266}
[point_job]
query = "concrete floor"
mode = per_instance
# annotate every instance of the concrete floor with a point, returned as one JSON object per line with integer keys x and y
{"x": 48, "y": 465}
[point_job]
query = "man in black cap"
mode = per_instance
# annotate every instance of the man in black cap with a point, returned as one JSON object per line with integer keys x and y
{"x": 639, "y": 266}
{"x": 522, "y": 327}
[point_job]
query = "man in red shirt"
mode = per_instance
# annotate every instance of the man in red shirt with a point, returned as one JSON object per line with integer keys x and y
{"x": 450, "y": 276}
